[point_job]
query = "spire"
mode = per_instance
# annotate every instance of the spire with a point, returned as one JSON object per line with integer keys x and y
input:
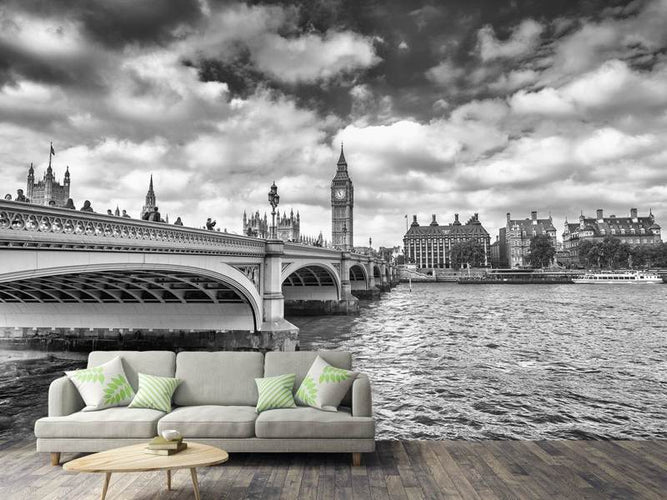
{"x": 66, "y": 171}
{"x": 31, "y": 170}
{"x": 150, "y": 186}
{"x": 341, "y": 160}
{"x": 52, "y": 152}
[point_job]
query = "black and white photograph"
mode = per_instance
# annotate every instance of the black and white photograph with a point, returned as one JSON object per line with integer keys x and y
{"x": 333, "y": 249}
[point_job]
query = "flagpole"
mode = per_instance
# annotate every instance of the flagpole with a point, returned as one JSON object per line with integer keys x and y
{"x": 50, "y": 154}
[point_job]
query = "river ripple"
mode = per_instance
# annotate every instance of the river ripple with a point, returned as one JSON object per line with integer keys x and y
{"x": 450, "y": 361}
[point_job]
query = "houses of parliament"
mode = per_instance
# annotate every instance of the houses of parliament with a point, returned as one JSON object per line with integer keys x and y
{"x": 49, "y": 191}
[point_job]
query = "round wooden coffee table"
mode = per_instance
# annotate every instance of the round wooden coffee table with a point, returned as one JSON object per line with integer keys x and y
{"x": 135, "y": 459}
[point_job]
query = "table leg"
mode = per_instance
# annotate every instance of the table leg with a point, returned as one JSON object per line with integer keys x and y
{"x": 105, "y": 487}
{"x": 169, "y": 480}
{"x": 195, "y": 484}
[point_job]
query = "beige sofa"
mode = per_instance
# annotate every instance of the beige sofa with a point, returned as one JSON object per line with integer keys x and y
{"x": 214, "y": 404}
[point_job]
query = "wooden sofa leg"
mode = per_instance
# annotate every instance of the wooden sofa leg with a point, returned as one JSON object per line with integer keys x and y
{"x": 356, "y": 459}
{"x": 55, "y": 458}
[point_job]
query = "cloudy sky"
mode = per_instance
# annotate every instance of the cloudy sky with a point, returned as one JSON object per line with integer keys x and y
{"x": 443, "y": 106}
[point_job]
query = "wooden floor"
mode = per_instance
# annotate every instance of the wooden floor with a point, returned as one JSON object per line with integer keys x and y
{"x": 412, "y": 469}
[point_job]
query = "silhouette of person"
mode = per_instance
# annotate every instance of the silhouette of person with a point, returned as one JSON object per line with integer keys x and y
{"x": 210, "y": 224}
{"x": 20, "y": 196}
{"x": 126, "y": 215}
{"x": 70, "y": 204}
{"x": 178, "y": 222}
{"x": 86, "y": 207}
{"x": 52, "y": 203}
{"x": 109, "y": 212}
{"x": 155, "y": 215}
{"x": 8, "y": 197}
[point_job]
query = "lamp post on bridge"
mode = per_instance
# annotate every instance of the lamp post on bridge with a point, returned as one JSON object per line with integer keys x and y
{"x": 274, "y": 199}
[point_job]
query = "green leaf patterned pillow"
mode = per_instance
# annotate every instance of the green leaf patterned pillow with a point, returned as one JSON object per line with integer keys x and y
{"x": 275, "y": 392}
{"x": 325, "y": 386}
{"x": 155, "y": 392}
{"x": 103, "y": 386}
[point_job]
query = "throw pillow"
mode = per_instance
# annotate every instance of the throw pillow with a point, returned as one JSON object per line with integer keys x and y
{"x": 155, "y": 392}
{"x": 275, "y": 392}
{"x": 103, "y": 386}
{"x": 325, "y": 386}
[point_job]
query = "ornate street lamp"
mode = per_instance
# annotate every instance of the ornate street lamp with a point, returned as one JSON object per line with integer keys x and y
{"x": 274, "y": 199}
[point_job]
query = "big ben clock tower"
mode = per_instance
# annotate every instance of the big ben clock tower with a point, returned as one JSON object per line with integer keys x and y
{"x": 342, "y": 204}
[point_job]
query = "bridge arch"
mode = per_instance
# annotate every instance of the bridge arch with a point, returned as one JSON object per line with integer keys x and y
{"x": 116, "y": 294}
{"x": 359, "y": 279}
{"x": 377, "y": 272}
{"x": 310, "y": 281}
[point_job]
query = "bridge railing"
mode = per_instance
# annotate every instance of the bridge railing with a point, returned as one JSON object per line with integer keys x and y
{"x": 25, "y": 224}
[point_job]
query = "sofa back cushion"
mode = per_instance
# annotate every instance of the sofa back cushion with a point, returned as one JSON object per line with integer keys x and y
{"x": 299, "y": 362}
{"x": 218, "y": 378}
{"x": 158, "y": 363}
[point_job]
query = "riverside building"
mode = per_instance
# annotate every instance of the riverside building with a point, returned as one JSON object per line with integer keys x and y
{"x": 430, "y": 246}
{"x": 48, "y": 189}
{"x": 514, "y": 238}
{"x": 632, "y": 230}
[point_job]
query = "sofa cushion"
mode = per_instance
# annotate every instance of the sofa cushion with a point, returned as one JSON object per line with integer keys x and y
{"x": 275, "y": 392}
{"x": 211, "y": 421}
{"x": 158, "y": 363}
{"x": 103, "y": 386}
{"x": 118, "y": 422}
{"x": 305, "y": 422}
{"x": 325, "y": 386}
{"x": 154, "y": 392}
{"x": 218, "y": 378}
{"x": 300, "y": 362}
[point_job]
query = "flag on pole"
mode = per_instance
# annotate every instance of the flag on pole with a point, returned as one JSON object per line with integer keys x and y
{"x": 53, "y": 152}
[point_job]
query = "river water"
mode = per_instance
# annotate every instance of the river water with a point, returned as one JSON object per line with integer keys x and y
{"x": 452, "y": 361}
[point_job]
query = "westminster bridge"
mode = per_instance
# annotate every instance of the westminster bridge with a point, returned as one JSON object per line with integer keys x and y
{"x": 88, "y": 274}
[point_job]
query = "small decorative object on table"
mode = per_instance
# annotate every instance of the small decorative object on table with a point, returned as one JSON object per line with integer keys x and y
{"x": 169, "y": 443}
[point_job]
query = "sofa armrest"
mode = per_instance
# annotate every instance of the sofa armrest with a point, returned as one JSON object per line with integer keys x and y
{"x": 362, "y": 399}
{"x": 64, "y": 398}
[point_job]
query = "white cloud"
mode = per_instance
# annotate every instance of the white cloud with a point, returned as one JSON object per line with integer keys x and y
{"x": 444, "y": 74}
{"x": 609, "y": 144}
{"x": 297, "y": 58}
{"x": 514, "y": 80}
{"x": 610, "y": 38}
{"x": 546, "y": 102}
{"x": 523, "y": 40}
{"x": 314, "y": 57}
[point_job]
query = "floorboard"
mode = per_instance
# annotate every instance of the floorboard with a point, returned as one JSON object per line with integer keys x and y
{"x": 396, "y": 470}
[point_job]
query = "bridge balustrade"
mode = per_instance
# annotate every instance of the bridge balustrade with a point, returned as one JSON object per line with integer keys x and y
{"x": 24, "y": 224}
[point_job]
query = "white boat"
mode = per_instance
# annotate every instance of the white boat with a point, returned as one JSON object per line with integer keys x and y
{"x": 629, "y": 277}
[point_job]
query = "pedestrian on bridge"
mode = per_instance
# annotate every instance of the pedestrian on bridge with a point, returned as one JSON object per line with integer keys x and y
{"x": 87, "y": 207}
{"x": 155, "y": 216}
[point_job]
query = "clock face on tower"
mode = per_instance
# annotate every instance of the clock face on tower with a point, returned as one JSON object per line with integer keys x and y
{"x": 339, "y": 194}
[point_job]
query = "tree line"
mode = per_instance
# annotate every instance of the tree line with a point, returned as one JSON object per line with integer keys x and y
{"x": 610, "y": 253}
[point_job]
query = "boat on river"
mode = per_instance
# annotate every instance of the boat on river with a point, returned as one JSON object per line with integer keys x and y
{"x": 624, "y": 277}
{"x": 519, "y": 277}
